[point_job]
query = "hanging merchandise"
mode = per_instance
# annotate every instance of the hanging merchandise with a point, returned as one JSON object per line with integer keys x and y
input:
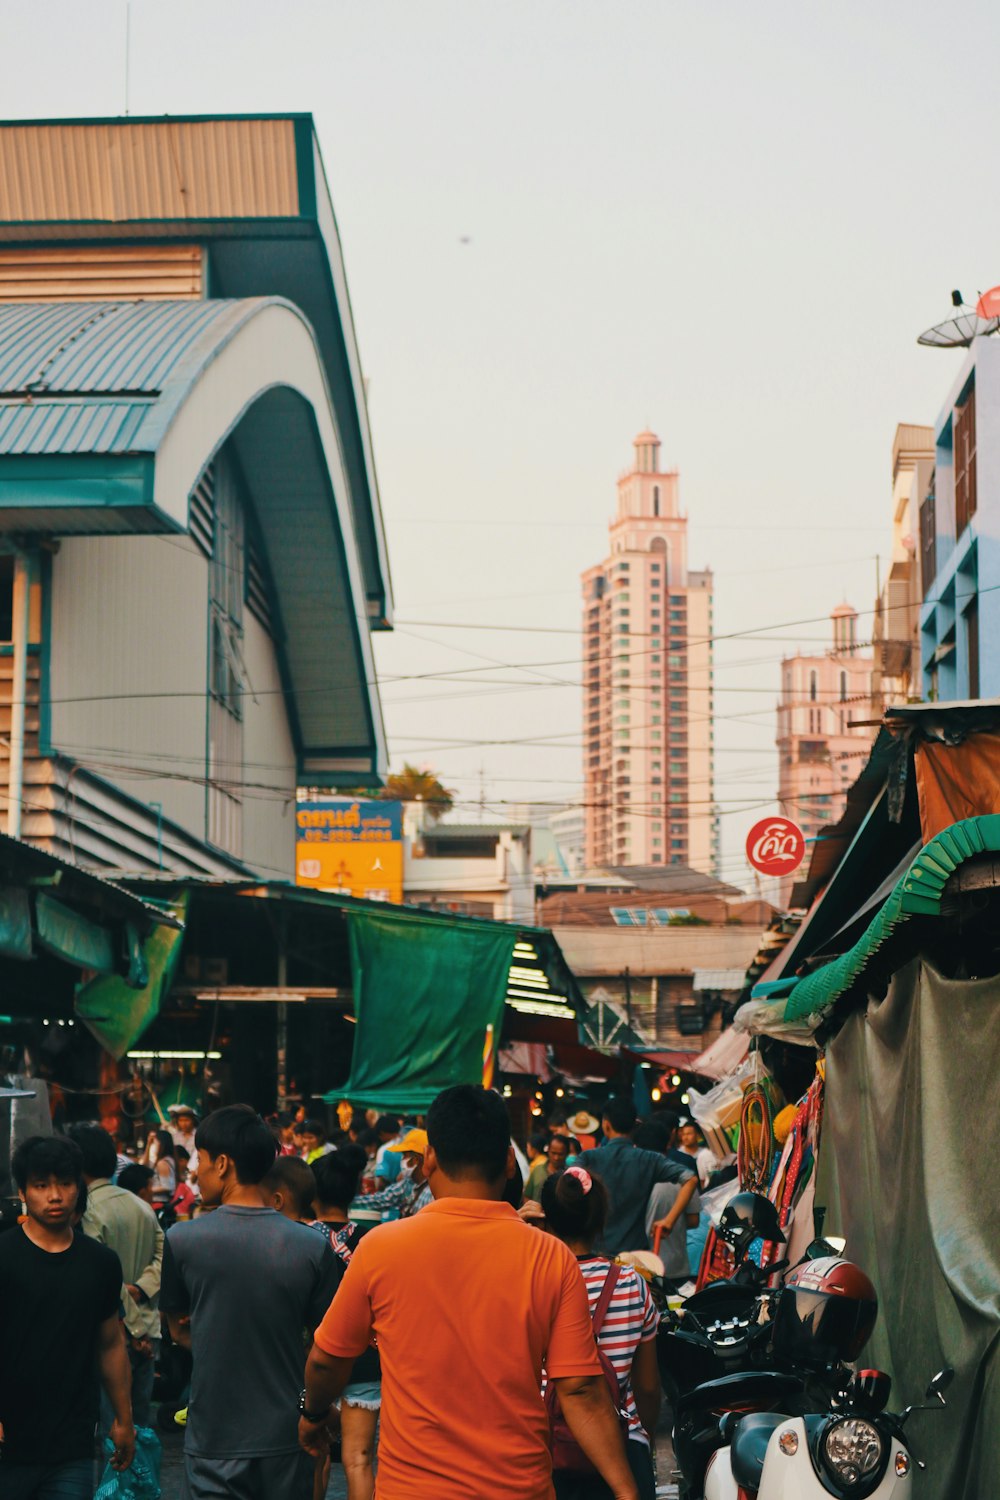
{"x": 756, "y": 1147}
{"x": 797, "y": 1163}
{"x": 717, "y": 1112}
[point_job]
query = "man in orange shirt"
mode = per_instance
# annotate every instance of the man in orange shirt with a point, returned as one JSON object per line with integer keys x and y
{"x": 468, "y": 1304}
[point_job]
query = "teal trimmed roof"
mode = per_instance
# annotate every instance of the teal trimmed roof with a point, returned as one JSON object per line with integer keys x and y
{"x": 251, "y": 191}
{"x": 109, "y": 414}
{"x": 917, "y": 893}
{"x": 103, "y": 377}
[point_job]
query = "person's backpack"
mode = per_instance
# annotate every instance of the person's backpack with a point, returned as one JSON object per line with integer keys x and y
{"x": 566, "y": 1451}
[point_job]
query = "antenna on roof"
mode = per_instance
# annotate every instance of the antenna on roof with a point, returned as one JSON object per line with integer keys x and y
{"x": 128, "y": 47}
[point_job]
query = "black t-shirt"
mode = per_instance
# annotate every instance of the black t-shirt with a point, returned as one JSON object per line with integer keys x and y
{"x": 51, "y": 1306}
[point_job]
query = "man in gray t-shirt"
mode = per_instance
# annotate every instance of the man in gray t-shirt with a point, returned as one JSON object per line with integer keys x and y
{"x": 243, "y": 1287}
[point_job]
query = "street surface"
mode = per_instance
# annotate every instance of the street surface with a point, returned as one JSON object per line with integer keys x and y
{"x": 173, "y": 1469}
{"x": 172, "y": 1472}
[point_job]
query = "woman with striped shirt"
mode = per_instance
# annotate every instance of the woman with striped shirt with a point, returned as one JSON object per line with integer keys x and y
{"x": 575, "y": 1205}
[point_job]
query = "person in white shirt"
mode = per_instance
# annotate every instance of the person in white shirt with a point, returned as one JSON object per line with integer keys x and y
{"x": 705, "y": 1161}
{"x": 183, "y": 1124}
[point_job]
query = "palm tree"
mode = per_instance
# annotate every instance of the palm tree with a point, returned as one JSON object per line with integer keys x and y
{"x": 413, "y": 785}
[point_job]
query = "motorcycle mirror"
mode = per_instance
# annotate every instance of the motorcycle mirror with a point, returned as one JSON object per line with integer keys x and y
{"x": 942, "y": 1380}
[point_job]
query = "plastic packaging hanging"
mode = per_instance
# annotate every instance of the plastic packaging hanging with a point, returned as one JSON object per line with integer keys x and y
{"x": 718, "y": 1110}
{"x": 141, "y": 1480}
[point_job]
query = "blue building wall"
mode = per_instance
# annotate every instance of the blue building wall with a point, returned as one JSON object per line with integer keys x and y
{"x": 968, "y": 566}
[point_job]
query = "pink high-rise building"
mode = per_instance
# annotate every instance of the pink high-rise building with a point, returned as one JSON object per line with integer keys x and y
{"x": 819, "y": 754}
{"x": 647, "y": 703}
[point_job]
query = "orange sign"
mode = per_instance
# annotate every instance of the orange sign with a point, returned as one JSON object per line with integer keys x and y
{"x": 346, "y": 845}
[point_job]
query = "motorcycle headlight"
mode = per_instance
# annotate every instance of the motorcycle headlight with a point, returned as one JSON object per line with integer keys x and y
{"x": 852, "y": 1449}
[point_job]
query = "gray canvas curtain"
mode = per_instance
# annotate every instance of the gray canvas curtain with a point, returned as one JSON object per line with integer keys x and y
{"x": 909, "y": 1173}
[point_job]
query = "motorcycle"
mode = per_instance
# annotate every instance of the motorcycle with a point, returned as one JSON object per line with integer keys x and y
{"x": 722, "y": 1329}
{"x": 715, "y": 1353}
{"x": 855, "y": 1450}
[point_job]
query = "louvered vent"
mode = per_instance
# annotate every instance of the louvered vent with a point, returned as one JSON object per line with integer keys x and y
{"x": 115, "y": 273}
{"x": 201, "y": 511}
{"x": 258, "y": 592}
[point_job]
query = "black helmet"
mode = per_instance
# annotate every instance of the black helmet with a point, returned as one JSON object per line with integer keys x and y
{"x": 749, "y": 1217}
{"x": 826, "y": 1312}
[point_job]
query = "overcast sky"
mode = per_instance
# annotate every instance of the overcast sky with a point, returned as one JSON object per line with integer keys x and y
{"x": 563, "y": 222}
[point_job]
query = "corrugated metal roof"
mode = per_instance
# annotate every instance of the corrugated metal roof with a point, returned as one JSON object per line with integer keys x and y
{"x": 117, "y": 170}
{"x": 70, "y": 426}
{"x": 63, "y": 365}
{"x": 107, "y": 347}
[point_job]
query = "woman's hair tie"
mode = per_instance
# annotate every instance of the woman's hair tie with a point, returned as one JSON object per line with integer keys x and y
{"x": 582, "y": 1176}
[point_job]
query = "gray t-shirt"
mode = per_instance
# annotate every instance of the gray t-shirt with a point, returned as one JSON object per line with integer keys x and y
{"x": 255, "y": 1285}
{"x": 673, "y": 1246}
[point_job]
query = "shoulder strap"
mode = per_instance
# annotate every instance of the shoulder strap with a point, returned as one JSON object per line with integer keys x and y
{"x": 604, "y": 1300}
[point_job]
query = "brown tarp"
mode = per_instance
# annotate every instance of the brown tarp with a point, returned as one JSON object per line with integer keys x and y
{"x": 956, "y": 781}
{"x": 909, "y": 1173}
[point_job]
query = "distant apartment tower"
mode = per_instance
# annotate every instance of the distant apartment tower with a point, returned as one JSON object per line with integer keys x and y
{"x": 648, "y": 691}
{"x": 897, "y": 676}
{"x": 819, "y": 754}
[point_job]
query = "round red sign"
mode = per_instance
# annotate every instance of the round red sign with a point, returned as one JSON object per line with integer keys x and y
{"x": 776, "y": 846}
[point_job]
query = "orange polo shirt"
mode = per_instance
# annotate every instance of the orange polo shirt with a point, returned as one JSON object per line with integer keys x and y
{"x": 467, "y": 1303}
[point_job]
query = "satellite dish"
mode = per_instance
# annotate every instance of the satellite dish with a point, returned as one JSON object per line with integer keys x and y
{"x": 958, "y": 333}
{"x": 988, "y": 305}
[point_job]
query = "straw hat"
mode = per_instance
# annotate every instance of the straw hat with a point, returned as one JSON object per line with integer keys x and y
{"x": 582, "y": 1123}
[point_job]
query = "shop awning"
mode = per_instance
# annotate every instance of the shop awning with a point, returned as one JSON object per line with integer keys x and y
{"x": 422, "y": 986}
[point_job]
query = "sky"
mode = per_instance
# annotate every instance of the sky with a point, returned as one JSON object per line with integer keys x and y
{"x": 563, "y": 222}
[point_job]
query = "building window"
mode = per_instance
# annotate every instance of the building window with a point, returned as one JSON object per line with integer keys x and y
{"x": 843, "y": 687}
{"x": 812, "y": 688}
{"x": 227, "y": 674}
{"x": 965, "y": 462}
{"x": 972, "y": 646}
{"x": 928, "y": 540}
{"x": 656, "y": 499}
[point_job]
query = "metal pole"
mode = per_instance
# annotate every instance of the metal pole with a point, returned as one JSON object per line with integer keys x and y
{"x": 19, "y": 692}
{"x": 282, "y": 1020}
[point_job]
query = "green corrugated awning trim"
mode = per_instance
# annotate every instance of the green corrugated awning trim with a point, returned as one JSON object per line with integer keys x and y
{"x": 113, "y": 1009}
{"x": 68, "y": 935}
{"x": 917, "y": 893}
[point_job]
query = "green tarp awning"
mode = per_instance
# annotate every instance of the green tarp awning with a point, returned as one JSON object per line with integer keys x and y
{"x": 424, "y": 994}
{"x": 115, "y": 1011}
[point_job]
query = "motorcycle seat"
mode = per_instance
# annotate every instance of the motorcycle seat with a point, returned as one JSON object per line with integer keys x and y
{"x": 749, "y": 1447}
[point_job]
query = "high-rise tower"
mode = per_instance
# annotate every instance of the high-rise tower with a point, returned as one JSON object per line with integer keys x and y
{"x": 647, "y": 703}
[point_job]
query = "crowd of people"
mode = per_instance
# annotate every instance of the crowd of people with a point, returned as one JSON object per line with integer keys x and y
{"x": 498, "y": 1337}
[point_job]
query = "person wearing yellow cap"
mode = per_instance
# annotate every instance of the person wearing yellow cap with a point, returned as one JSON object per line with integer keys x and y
{"x": 410, "y": 1192}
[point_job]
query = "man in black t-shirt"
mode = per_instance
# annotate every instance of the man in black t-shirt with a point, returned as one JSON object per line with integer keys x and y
{"x": 60, "y": 1335}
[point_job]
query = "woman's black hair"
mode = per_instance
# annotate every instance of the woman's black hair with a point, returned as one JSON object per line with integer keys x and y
{"x": 572, "y": 1210}
{"x": 100, "y": 1159}
{"x": 165, "y": 1141}
{"x": 538, "y": 1140}
{"x": 314, "y": 1127}
{"x": 134, "y": 1177}
{"x": 337, "y": 1176}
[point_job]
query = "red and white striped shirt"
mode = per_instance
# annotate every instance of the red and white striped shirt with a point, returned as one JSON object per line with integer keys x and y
{"x": 631, "y": 1320}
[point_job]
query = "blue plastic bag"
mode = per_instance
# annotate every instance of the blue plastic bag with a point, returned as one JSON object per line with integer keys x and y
{"x": 141, "y": 1480}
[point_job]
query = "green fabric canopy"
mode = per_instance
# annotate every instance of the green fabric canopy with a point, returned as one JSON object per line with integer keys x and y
{"x": 424, "y": 992}
{"x": 116, "y": 1012}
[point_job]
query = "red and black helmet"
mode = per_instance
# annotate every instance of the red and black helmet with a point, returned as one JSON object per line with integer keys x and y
{"x": 826, "y": 1312}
